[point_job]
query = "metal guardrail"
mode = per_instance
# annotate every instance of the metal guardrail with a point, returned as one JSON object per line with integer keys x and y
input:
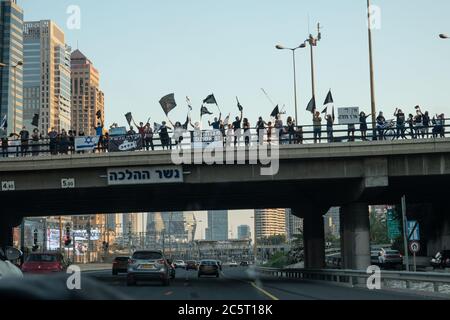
{"x": 354, "y": 277}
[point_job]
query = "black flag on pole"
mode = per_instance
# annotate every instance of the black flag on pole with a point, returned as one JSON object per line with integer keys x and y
{"x": 129, "y": 118}
{"x": 168, "y": 103}
{"x": 275, "y": 112}
{"x": 99, "y": 114}
{"x": 311, "y": 105}
{"x": 329, "y": 98}
{"x": 210, "y": 99}
{"x": 239, "y": 105}
{"x": 204, "y": 111}
{"x": 35, "y": 121}
{"x": 325, "y": 110}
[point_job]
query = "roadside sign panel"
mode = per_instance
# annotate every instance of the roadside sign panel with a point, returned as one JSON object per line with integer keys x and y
{"x": 8, "y": 186}
{"x": 414, "y": 247}
{"x": 145, "y": 175}
{"x": 413, "y": 231}
{"x": 394, "y": 224}
{"x": 68, "y": 183}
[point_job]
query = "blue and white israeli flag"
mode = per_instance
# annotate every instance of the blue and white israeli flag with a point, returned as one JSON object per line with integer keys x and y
{"x": 88, "y": 143}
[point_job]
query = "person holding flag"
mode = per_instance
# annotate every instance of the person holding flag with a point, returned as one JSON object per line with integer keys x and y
{"x": 216, "y": 124}
{"x": 237, "y": 128}
{"x": 317, "y": 124}
{"x": 260, "y": 129}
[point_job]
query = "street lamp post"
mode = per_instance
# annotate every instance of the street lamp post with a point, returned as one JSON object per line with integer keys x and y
{"x": 313, "y": 43}
{"x": 372, "y": 78}
{"x": 280, "y": 47}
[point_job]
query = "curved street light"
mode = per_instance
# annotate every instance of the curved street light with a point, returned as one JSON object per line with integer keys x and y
{"x": 444, "y": 36}
{"x": 281, "y": 47}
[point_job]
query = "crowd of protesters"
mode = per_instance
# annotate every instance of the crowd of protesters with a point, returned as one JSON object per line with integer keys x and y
{"x": 417, "y": 126}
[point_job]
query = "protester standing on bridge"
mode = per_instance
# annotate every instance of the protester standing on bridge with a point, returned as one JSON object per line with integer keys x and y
{"x": 35, "y": 138}
{"x": 178, "y": 131}
{"x": 247, "y": 133}
{"x": 164, "y": 135}
{"x": 260, "y": 128}
{"x": 426, "y": 125}
{"x": 410, "y": 122}
{"x": 330, "y": 122}
{"x": 4, "y": 142}
{"x": 99, "y": 133}
{"x": 53, "y": 136}
{"x": 63, "y": 142}
{"x": 24, "y": 140}
{"x": 317, "y": 125}
{"x": 418, "y": 122}
{"x": 401, "y": 119}
{"x": 216, "y": 124}
{"x": 237, "y": 129}
{"x": 381, "y": 124}
{"x": 291, "y": 130}
{"x": 279, "y": 128}
{"x": 363, "y": 125}
{"x": 148, "y": 137}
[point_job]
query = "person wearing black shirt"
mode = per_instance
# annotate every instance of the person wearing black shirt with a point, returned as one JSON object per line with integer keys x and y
{"x": 247, "y": 134}
{"x": 401, "y": 120}
{"x": 260, "y": 128}
{"x": 426, "y": 125}
{"x": 381, "y": 123}
{"x": 363, "y": 125}
{"x": 164, "y": 135}
{"x": 418, "y": 122}
{"x": 237, "y": 129}
{"x": 24, "y": 137}
{"x": 410, "y": 122}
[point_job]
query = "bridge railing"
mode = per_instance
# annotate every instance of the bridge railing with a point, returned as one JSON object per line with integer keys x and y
{"x": 416, "y": 281}
{"x": 14, "y": 147}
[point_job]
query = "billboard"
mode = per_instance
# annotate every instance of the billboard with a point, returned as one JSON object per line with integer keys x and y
{"x": 348, "y": 115}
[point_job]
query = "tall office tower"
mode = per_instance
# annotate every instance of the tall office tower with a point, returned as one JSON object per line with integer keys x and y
{"x": 217, "y": 226}
{"x": 47, "y": 86}
{"x": 294, "y": 225}
{"x": 270, "y": 222}
{"x": 244, "y": 232}
{"x": 87, "y": 98}
{"x": 11, "y": 70}
{"x": 332, "y": 222}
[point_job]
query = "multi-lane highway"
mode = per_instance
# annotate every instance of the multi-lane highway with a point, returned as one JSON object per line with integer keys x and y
{"x": 241, "y": 284}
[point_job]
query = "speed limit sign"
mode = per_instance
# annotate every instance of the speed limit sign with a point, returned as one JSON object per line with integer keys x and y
{"x": 414, "y": 246}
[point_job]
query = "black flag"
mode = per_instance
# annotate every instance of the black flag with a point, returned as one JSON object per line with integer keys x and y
{"x": 275, "y": 112}
{"x": 35, "y": 121}
{"x": 168, "y": 103}
{"x": 239, "y": 105}
{"x": 129, "y": 117}
{"x": 311, "y": 105}
{"x": 325, "y": 110}
{"x": 204, "y": 111}
{"x": 99, "y": 114}
{"x": 210, "y": 99}
{"x": 329, "y": 99}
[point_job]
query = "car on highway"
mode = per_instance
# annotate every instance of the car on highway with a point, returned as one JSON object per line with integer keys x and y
{"x": 45, "y": 263}
{"x": 244, "y": 264}
{"x": 233, "y": 264}
{"x": 441, "y": 260}
{"x": 209, "y": 268}
{"x": 120, "y": 265}
{"x": 147, "y": 265}
{"x": 390, "y": 258}
{"x": 7, "y": 268}
{"x": 374, "y": 257}
{"x": 191, "y": 265}
{"x": 180, "y": 264}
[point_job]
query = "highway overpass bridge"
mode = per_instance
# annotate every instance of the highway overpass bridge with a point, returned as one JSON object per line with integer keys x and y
{"x": 311, "y": 179}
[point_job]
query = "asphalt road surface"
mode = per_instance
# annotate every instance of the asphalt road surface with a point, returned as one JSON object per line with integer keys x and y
{"x": 240, "y": 284}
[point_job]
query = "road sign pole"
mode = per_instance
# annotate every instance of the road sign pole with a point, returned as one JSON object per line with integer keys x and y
{"x": 405, "y": 232}
{"x": 415, "y": 265}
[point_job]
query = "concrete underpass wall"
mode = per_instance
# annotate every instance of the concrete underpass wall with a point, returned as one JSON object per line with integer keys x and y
{"x": 438, "y": 229}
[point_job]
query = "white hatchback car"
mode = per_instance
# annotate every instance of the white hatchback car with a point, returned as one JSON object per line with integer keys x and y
{"x": 7, "y": 269}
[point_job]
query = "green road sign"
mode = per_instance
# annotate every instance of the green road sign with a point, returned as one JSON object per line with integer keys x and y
{"x": 394, "y": 224}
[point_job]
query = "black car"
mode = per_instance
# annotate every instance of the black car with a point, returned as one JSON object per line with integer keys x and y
{"x": 209, "y": 268}
{"x": 441, "y": 260}
{"x": 244, "y": 264}
{"x": 191, "y": 265}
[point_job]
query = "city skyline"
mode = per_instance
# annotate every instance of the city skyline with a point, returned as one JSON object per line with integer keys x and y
{"x": 243, "y": 70}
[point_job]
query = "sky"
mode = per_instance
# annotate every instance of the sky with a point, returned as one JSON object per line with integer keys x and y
{"x": 147, "y": 49}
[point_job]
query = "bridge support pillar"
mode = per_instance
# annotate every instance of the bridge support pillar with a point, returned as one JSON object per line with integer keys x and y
{"x": 314, "y": 239}
{"x": 355, "y": 236}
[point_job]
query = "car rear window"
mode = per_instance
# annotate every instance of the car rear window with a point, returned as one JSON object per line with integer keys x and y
{"x": 147, "y": 256}
{"x": 42, "y": 258}
{"x": 122, "y": 259}
{"x": 392, "y": 252}
{"x": 209, "y": 263}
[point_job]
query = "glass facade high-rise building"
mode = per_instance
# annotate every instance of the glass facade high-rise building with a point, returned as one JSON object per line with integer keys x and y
{"x": 217, "y": 226}
{"x": 47, "y": 76}
{"x": 294, "y": 225}
{"x": 11, "y": 72}
{"x": 244, "y": 232}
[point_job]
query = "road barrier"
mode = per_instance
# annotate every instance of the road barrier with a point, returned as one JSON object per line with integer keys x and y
{"x": 417, "y": 281}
